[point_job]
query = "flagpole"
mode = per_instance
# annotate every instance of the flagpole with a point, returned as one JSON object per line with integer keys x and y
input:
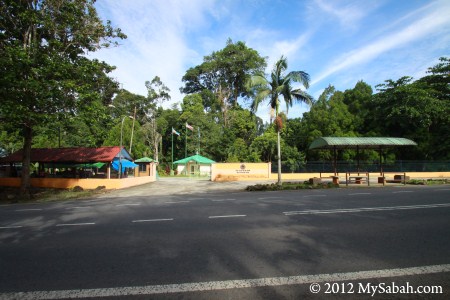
{"x": 198, "y": 140}
{"x": 171, "y": 169}
{"x": 185, "y": 143}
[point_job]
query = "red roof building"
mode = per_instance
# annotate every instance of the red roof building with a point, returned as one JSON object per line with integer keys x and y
{"x": 51, "y": 160}
{"x": 69, "y": 155}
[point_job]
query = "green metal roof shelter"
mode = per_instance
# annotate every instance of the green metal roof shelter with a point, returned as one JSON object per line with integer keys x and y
{"x": 144, "y": 160}
{"x": 374, "y": 143}
{"x": 197, "y": 158}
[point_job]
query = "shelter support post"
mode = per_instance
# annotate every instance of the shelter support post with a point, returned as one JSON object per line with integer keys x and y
{"x": 335, "y": 160}
{"x": 171, "y": 166}
{"x": 357, "y": 159}
{"x": 381, "y": 161}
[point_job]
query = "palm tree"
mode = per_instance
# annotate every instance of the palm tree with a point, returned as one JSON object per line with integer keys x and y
{"x": 279, "y": 85}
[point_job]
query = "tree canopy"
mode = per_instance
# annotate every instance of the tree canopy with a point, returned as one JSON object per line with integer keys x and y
{"x": 225, "y": 73}
{"x": 45, "y": 74}
{"x": 53, "y": 95}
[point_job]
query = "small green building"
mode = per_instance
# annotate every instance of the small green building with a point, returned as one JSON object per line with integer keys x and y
{"x": 195, "y": 165}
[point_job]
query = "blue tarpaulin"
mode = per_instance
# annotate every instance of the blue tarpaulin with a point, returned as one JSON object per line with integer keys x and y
{"x": 125, "y": 164}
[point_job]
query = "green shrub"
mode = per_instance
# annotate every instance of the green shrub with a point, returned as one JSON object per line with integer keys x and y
{"x": 289, "y": 186}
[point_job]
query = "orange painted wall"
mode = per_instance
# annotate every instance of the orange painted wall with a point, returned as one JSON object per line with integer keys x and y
{"x": 90, "y": 183}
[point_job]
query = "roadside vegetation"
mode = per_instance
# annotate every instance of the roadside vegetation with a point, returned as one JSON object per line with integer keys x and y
{"x": 53, "y": 95}
{"x": 327, "y": 185}
{"x": 9, "y": 195}
{"x": 428, "y": 181}
{"x": 290, "y": 186}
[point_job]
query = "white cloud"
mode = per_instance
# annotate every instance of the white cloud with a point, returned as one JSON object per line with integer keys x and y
{"x": 288, "y": 48}
{"x": 347, "y": 14}
{"x": 427, "y": 25}
{"x": 157, "y": 43}
{"x": 167, "y": 37}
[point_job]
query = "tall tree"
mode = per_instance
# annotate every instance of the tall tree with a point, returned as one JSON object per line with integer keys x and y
{"x": 437, "y": 83}
{"x": 411, "y": 109}
{"x": 329, "y": 116}
{"x": 438, "y": 80}
{"x": 358, "y": 101}
{"x": 125, "y": 103}
{"x": 279, "y": 86}
{"x": 44, "y": 72}
{"x": 157, "y": 93}
{"x": 168, "y": 119}
{"x": 125, "y": 133}
{"x": 225, "y": 73}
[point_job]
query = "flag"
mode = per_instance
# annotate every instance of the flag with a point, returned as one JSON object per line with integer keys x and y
{"x": 191, "y": 128}
{"x": 174, "y": 131}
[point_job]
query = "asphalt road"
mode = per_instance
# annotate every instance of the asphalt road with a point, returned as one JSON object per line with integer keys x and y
{"x": 229, "y": 244}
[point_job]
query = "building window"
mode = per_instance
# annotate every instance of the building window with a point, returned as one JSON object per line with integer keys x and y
{"x": 142, "y": 167}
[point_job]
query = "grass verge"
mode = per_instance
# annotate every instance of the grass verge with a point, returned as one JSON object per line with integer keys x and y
{"x": 428, "y": 181}
{"x": 290, "y": 186}
{"x": 10, "y": 195}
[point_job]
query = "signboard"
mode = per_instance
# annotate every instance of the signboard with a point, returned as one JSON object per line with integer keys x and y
{"x": 240, "y": 171}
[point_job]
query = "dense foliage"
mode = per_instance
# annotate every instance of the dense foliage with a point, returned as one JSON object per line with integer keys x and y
{"x": 45, "y": 76}
{"x": 51, "y": 95}
{"x": 403, "y": 108}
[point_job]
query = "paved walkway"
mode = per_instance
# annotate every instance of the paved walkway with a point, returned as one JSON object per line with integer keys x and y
{"x": 174, "y": 186}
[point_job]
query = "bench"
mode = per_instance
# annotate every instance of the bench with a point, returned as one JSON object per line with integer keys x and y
{"x": 357, "y": 179}
{"x": 399, "y": 179}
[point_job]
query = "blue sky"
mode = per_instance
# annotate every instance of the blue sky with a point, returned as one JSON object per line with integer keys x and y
{"x": 336, "y": 42}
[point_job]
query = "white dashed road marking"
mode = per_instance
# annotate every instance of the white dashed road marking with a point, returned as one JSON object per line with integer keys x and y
{"x": 10, "y": 227}
{"x": 75, "y": 224}
{"x": 357, "y": 194}
{"x": 128, "y": 204}
{"x": 30, "y": 209}
{"x": 222, "y": 200}
{"x": 176, "y": 202}
{"x": 226, "y": 285}
{"x": 151, "y": 220}
{"x": 362, "y": 209}
{"x": 398, "y": 192}
{"x": 78, "y": 207}
{"x": 228, "y": 216}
